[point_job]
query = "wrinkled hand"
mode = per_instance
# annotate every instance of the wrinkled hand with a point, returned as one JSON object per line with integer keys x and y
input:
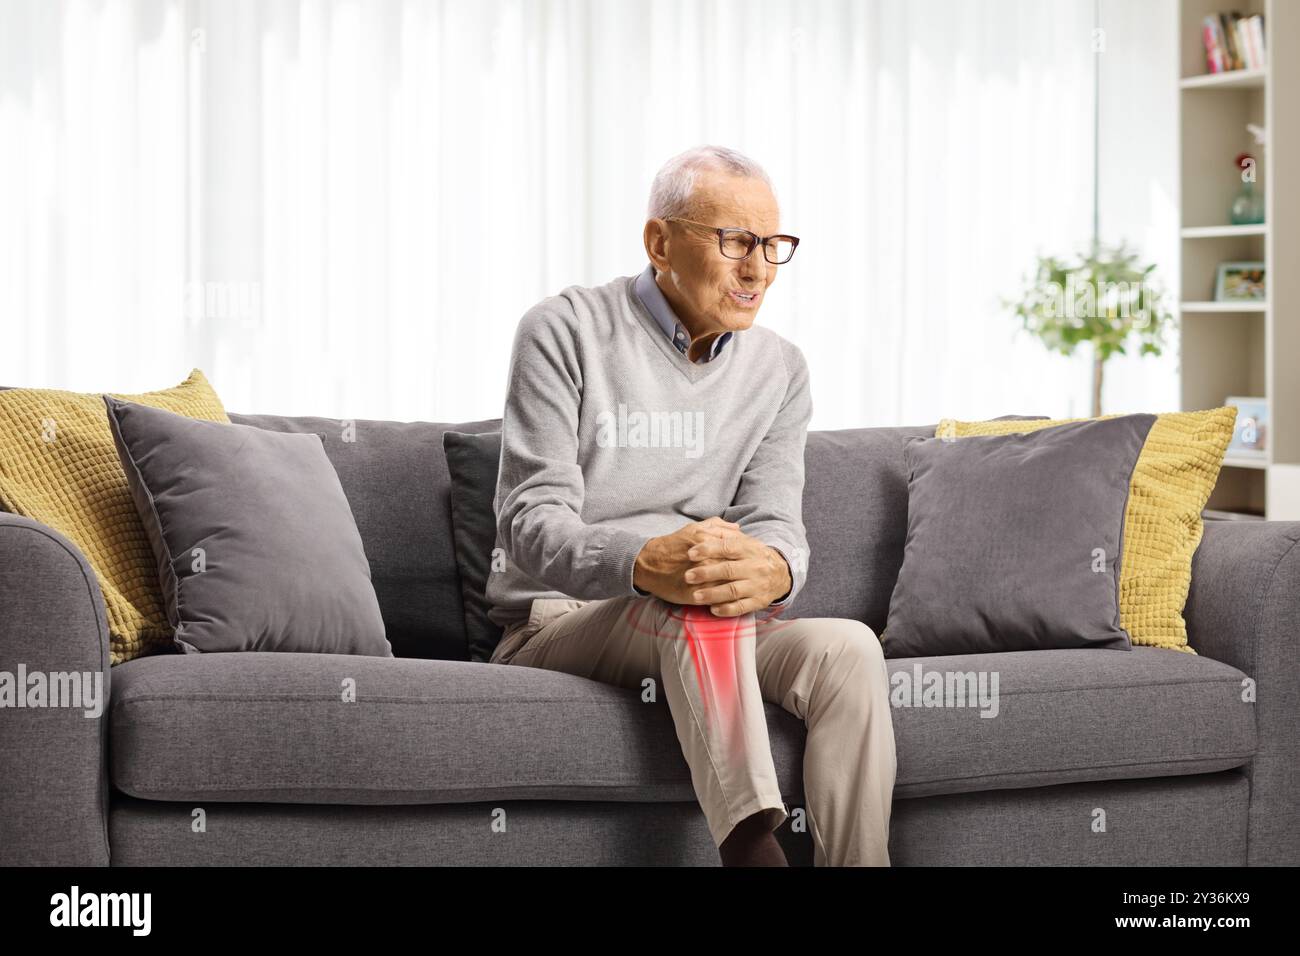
{"x": 662, "y": 563}
{"x": 712, "y": 562}
{"x": 736, "y": 574}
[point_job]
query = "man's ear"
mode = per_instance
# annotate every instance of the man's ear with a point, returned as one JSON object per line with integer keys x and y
{"x": 655, "y": 237}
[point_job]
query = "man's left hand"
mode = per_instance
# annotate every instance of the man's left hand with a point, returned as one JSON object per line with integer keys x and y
{"x": 735, "y": 574}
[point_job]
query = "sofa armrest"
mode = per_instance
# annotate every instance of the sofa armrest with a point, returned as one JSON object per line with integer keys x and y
{"x": 53, "y": 772}
{"x": 1244, "y": 610}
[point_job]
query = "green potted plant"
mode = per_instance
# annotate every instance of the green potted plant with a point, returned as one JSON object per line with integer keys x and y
{"x": 1102, "y": 296}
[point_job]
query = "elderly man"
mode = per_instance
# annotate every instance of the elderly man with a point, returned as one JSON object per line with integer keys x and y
{"x": 649, "y": 506}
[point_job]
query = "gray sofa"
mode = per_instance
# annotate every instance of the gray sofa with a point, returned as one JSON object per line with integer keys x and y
{"x": 1142, "y": 757}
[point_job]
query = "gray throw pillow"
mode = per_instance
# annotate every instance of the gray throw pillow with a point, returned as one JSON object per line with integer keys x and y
{"x": 395, "y": 477}
{"x": 1014, "y": 541}
{"x": 256, "y": 544}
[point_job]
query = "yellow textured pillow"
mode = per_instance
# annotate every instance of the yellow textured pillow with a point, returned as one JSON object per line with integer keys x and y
{"x": 59, "y": 466}
{"x": 1175, "y": 473}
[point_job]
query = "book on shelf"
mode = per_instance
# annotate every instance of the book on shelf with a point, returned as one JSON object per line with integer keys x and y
{"x": 1233, "y": 42}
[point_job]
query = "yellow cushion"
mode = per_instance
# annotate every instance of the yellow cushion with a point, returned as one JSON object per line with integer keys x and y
{"x": 1175, "y": 473}
{"x": 59, "y": 466}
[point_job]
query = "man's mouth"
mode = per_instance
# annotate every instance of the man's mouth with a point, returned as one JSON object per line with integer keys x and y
{"x": 745, "y": 298}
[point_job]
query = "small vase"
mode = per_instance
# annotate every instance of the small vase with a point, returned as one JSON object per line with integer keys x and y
{"x": 1248, "y": 207}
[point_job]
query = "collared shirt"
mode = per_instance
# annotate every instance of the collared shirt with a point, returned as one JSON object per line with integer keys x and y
{"x": 652, "y": 297}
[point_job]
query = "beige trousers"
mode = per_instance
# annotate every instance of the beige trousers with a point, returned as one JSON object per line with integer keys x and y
{"x": 715, "y": 673}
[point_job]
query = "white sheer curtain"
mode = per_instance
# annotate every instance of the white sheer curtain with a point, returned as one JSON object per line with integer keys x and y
{"x": 342, "y": 208}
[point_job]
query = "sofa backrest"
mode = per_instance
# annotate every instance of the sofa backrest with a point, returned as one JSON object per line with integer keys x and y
{"x": 395, "y": 476}
{"x": 396, "y": 480}
{"x": 855, "y": 515}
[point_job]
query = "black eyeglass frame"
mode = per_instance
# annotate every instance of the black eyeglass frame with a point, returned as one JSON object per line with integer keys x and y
{"x": 754, "y": 240}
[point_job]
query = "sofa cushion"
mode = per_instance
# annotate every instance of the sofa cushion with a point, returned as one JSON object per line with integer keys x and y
{"x": 255, "y": 543}
{"x": 1013, "y": 541}
{"x": 1070, "y": 715}
{"x": 473, "y": 462}
{"x": 276, "y": 728}
{"x": 395, "y": 477}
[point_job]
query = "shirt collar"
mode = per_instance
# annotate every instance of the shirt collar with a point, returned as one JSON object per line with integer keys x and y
{"x": 652, "y": 297}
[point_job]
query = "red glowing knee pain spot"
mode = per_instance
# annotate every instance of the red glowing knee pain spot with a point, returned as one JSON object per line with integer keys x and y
{"x": 712, "y": 641}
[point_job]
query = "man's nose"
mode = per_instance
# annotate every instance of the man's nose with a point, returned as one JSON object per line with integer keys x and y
{"x": 755, "y": 265}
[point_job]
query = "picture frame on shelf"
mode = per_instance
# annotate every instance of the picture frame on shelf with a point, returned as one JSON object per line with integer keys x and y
{"x": 1240, "y": 282}
{"x": 1250, "y": 434}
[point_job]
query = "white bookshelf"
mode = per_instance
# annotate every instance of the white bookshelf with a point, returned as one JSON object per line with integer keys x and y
{"x": 1221, "y": 232}
{"x": 1236, "y": 79}
{"x": 1227, "y": 308}
{"x": 1243, "y": 348}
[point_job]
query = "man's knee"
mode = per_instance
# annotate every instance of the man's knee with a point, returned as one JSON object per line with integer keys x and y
{"x": 842, "y": 635}
{"x": 696, "y": 620}
{"x": 848, "y": 650}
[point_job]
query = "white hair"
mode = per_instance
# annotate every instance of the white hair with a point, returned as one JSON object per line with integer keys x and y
{"x": 670, "y": 193}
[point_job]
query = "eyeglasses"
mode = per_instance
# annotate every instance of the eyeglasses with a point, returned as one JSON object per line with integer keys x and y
{"x": 739, "y": 243}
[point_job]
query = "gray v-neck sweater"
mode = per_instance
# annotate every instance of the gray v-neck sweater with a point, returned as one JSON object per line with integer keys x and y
{"x": 610, "y": 437}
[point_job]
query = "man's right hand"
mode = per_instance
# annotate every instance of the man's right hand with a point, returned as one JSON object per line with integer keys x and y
{"x": 662, "y": 563}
